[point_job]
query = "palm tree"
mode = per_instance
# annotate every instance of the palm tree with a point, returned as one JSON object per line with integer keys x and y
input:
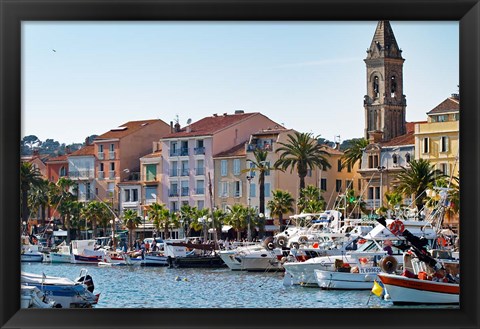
{"x": 354, "y": 153}
{"x": 416, "y": 179}
{"x": 30, "y": 177}
{"x": 38, "y": 199}
{"x": 302, "y": 152}
{"x": 260, "y": 165}
{"x": 163, "y": 218}
{"x": 354, "y": 203}
{"x": 96, "y": 212}
{"x": 63, "y": 198}
{"x": 156, "y": 212}
{"x": 281, "y": 203}
{"x": 187, "y": 215}
{"x": 311, "y": 200}
{"x": 131, "y": 220}
{"x": 237, "y": 218}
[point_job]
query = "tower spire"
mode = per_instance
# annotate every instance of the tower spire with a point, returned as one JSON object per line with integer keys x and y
{"x": 384, "y": 44}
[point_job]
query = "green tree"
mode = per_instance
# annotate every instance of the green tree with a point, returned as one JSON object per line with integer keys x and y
{"x": 237, "y": 218}
{"x": 187, "y": 215}
{"x": 354, "y": 152}
{"x": 156, "y": 212}
{"x": 281, "y": 203}
{"x": 301, "y": 152}
{"x": 261, "y": 166}
{"x": 30, "y": 177}
{"x": 38, "y": 199}
{"x": 131, "y": 220}
{"x": 311, "y": 200}
{"x": 96, "y": 212}
{"x": 416, "y": 179}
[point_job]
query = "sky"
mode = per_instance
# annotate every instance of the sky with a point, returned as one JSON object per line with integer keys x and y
{"x": 85, "y": 78}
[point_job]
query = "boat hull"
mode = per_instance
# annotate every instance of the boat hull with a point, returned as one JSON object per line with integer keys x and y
{"x": 345, "y": 280}
{"x": 79, "y": 259}
{"x": 403, "y": 290}
{"x": 32, "y": 258}
{"x": 60, "y": 258}
{"x": 199, "y": 262}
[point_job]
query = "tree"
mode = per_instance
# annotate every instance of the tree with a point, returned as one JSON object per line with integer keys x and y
{"x": 281, "y": 203}
{"x": 38, "y": 199}
{"x": 163, "y": 218}
{"x": 156, "y": 212}
{"x": 30, "y": 177}
{"x": 64, "y": 198}
{"x": 237, "y": 218}
{"x": 354, "y": 205}
{"x": 416, "y": 179}
{"x": 301, "y": 152}
{"x": 96, "y": 212}
{"x": 131, "y": 220}
{"x": 31, "y": 141}
{"x": 259, "y": 164}
{"x": 187, "y": 215}
{"x": 311, "y": 200}
{"x": 354, "y": 152}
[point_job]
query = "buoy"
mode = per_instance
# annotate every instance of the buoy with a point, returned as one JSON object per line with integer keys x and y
{"x": 177, "y": 278}
{"x": 185, "y": 279}
{"x": 315, "y": 245}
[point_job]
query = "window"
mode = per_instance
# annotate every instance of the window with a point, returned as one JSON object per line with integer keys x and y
{"x": 131, "y": 195}
{"x": 338, "y": 185}
{"x": 223, "y": 189}
{"x": 456, "y": 116}
{"x": 395, "y": 159}
{"x": 112, "y": 166}
{"x": 184, "y": 171}
{"x": 151, "y": 171}
{"x": 100, "y": 148}
{"x": 184, "y": 149}
{"x": 339, "y": 165}
{"x": 200, "y": 204}
{"x": 134, "y": 195}
{"x": 111, "y": 188}
{"x": 185, "y": 189}
{"x": 174, "y": 151}
{"x": 174, "y": 206}
{"x": 200, "y": 170}
{"x": 150, "y": 193}
{"x": 253, "y": 190}
{"x": 173, "y": 189}
{"x": 236, "y": 166}
{"x": 174, "y": 169}
{"x": 359, "y": 183}
{"x": 349, "y": 184}
{"x": 127, "y": 195}
{"x": 101, "y": 167}
{"x": 444, "y": 144}
{"x": 426, "y": 144}
{"x": 375, "y": 87}
{"x": 200, "y": 187}
{"x": 267, "y": 172}
{"x": 407, "y": 157}
{"x": 112, "y": 147}
{"x": 374, "y": 192}
{"x": 373, "y": 161}
{"x": 237, "y": 189}
{"x": 252, "y": 172}
{"x": 441, "y": 118}
{"x": 223, "y": 167}
{"x": 393, "y": 86}
{"x": 444, "y": 168}
{"x": 309, "y": 172}
{"x": 323, "y": 184}
{"x": 63, "y": 172}
{"x": 349, "y": 167}
{"x": 267, "y": 189}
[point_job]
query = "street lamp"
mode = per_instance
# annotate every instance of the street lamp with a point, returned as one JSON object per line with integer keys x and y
{"x": 114, "y": 222}
{"x": 145, "y": 218}
{"x": 381, "y": 169}
{"x": 262, "y": 222}
{"x": 24, "y": 227}
{"x": 249, "y": 233}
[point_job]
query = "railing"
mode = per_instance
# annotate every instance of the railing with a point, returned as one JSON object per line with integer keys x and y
{"x": 111, "y": 174}
{"x": 185, "y": 191}
{"x": 200, "y": 190}
{"x": 184, "y": 151}
{"x": 174, "y": 153}
{"x": 264, "y": 147}
{"x": 199, "y": 150}
{"x": 173, "y": 192}
{"x": 101, "y": 175}
{"x": 133, "y": 176}
{"x": 200, "y": 171}
{"x": 101, "y": 155}
{"x": 81, "y": 174}
{"x": 185, "y": 172}
{"x": 236, "y": 194}
{"x": 174, "y": 172}
{"x": 372, "y": 203}
{"x": 111, "y": 155}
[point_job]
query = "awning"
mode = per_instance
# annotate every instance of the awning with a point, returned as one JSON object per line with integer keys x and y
{"x": 226, "y": 228}
{"x": 272, "y": 228}
{"x": 60, "y": 233}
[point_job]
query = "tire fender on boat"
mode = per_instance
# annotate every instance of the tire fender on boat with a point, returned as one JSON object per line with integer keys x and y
{"x": 281, "y": 241}
{"x": 388, "y": 264}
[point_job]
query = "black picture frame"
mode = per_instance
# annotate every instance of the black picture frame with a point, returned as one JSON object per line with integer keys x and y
{"x": 12, "y": 12}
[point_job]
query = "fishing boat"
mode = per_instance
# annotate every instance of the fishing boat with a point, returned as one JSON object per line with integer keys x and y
{"x": 31, "y": 253}
{"x": 32, "y": 297}
{"x": 155, "y": 258}
{"x": 197, "y": 255}
{"x": 83, "y": 252}
{"x": 61, "y": 255}
{"x": 64, "y": 292}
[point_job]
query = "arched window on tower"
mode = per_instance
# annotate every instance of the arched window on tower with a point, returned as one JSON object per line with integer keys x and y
{"x": 393, "y": 87}
{"x": 395, "y": 159}
{"x": 375, "y": 87}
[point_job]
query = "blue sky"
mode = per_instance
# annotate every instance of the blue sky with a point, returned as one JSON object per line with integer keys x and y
{"x": 309, "y": 76}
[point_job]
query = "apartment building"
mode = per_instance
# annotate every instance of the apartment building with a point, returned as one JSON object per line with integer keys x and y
{"x": 81, "y": 169}
{"x": 188, "y": 152}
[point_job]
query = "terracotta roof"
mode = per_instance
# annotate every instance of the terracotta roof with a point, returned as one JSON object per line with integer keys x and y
{"x": 238, "y": 150}
{"x": 272, "y": 131}
{"x": 406, "y": 139}
{"x": 451, "y": 104}
{"x": 61, "y": 158}
{"x": 153, "y": 155}
{"x": 126, "y": 129}
{"x": 211, "y": 125}
{"x": 331, "y": 150}
{"x": 86, "y": 150}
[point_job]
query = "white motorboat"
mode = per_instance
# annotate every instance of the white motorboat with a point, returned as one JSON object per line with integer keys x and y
{"x": 228, "y": 256}
{"x": 83, "y": 252}
{"x": 31, "y": 253}
{"x": 32, "y": 297}
{"x": 62, "y": 255}
{"x": 64, "y": 292}
{"x": 303, "y": 272}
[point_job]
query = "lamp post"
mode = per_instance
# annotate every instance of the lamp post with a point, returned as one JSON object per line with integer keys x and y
{"x": 145, "y": 218}
{"x": 381, "y": 169}
{"x": 114, "y": 224}
{"x": 262, "y": 223}
{"x": 24, "y": 227}
{"x": 249, "y": 233}
{"x": 203, "y": 220}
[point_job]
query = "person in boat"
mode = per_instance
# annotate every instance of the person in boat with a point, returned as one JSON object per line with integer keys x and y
{"x": 388, "y": 247}
{"x": 147, "y": 246}
{"x": 154, "y": 245}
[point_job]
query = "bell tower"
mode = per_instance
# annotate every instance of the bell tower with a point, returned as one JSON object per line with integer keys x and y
{"x": 384, "y": 103}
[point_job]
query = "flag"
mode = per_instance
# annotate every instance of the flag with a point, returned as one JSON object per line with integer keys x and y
{"x": 377, "y": 289}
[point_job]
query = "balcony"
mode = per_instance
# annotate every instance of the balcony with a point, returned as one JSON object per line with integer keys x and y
{"x": 101, "y": 175}
{"x": 174, "y": 153}
{"x": 184, "y": 151}
{"x": 372, "y": 203}
{"x": 101, "y": 156}
{"x": 200, "y": 171}
{"x": 200, "y": 190}
{"x": 259, "y": 146}
{"x": 184, "y": 172}
{"x": 111, "y": 174}
{"x": 111, "y": 155}
{"x": 173, "y": 192}
{"x": 199, "y": 150}
{"x": 185, "y": 191}
{"x": 81, "y": 174}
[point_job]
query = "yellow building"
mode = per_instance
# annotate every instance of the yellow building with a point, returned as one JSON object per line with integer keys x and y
{"x": 438, "y": 140}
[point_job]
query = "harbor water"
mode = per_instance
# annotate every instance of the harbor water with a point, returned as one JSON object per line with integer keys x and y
{"x": 162, "y": 287}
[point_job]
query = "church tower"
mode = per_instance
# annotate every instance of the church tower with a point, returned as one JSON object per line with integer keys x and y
{"x": 385, "y": 102}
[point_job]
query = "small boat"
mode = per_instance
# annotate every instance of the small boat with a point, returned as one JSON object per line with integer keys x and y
{"x": 61, "y": 255}
{"x": 198, "y": 255}
{"x": 155, "y": 258}
{"x": 31, "y": 253}
{"x": 115, "y": 258}
{"x": 83, "y": 252}
{"x": 32, "y": 297}
{"x": 64, "y": 292}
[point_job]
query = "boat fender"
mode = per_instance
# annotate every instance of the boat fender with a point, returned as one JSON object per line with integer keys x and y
{"x": 388, "y": 264}
{"x": 302, "y": 239}
{"x": 268, "y": 243}
{"x": 282, "y": 241}
{"x": 295, "y": 245}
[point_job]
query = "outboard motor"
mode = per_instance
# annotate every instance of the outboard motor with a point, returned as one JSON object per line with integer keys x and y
{"x": 87, "y": 281}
